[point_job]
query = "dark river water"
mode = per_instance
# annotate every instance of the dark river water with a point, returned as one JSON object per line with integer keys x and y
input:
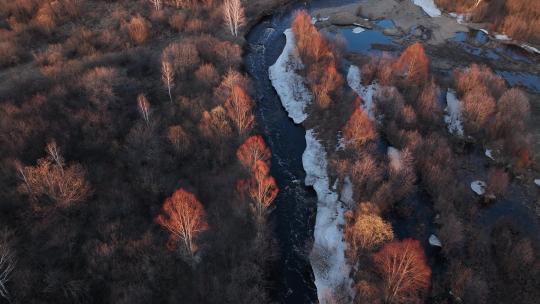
{"x": 294, "y": 215}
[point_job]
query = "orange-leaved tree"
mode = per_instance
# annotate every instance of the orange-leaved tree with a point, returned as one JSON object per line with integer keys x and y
{"x": 359, "y": 129}
{"x": 413, "y": 64}
{"x": 403, "y": 267}
{"x": 184, "y": 217}
{"x": 252, "y": 150}
{"x": 261, "y": 188}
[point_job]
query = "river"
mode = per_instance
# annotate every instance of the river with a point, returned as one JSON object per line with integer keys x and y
{"x": 296, "y": 204}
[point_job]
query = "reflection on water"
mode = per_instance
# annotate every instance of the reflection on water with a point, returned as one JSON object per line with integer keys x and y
{"x": 530, "y": 81}
{"x": 363, "y": 42}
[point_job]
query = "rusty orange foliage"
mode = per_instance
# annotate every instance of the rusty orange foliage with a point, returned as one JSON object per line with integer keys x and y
{"x": 252, "y": 150}
{"x": 359, "y": 129}
{"x": 404, "y": 269}
{"x": 184, "y": 217}
{"x": 413, "y": 64}
{"x": 239, "y": 108}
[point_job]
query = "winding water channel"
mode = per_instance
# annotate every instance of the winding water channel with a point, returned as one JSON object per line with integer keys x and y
{"x": 296, "y": 204}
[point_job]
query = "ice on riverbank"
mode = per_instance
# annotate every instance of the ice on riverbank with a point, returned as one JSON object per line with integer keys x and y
{"x": 327, "y": 258}
{"x": 429, "y": 7}
{"x": 502, "y": 37}
{"x": 479, "y": 187}
{"x": 530, "y": 48}
{"x": 358, "y": 30}
{"x": 354, "y": 80}
{"x": 452, "y": 115}
{"x": 290, "y": 86}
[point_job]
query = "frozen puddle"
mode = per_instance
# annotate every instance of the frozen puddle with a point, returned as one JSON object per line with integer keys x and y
{"x": 327, "y": 258}
{"x": 429, "y": 7}
{"x": 290, "y": 86}
{"x": 354, "y": 80}
{"x": 452, "y": 115}
{"x": 358, "y": 30}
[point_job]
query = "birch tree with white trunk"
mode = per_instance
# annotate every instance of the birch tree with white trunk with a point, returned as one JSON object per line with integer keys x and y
{"x": 144, "y": 108}
{"x": 7, "y": 264}
{"x": 167, "y": 75}
{"x": 233, "y": 13}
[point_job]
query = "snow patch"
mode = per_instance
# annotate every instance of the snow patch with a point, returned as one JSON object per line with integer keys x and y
{"x": 460, "y": 18}
{"x": 358, "y": 30}
{"x": 530, "y": 48}
{"x": 354, "y": 79}
{"x": 328, "y": 254}
{"x": 537, "y": 182}
{"x": 290, "y": 86}
{"x": 489, "y": 154}
{"x": 395, "y": 158}
{"x": 452, "y": 115}
{"x": 502, "y": 37}
{"x": 315, "y": 19}
{"x": 479, "y": 187}
{"x": 429, "y": 7}
{"x": 434, "y": 241}
{"x": 484, "y": 31}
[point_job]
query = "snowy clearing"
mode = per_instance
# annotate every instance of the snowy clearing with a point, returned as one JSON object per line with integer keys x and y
{"x": 479, "y": 187}
{"x": 328, "y": 255}
{"x": 452, "y": 115}
{"x": 354, "y": 80}
{"x": 358, "y": 30}
{"x": 434, "y": 241}
{"x": 429, "y": 7}
{"x": 290, "y": 86}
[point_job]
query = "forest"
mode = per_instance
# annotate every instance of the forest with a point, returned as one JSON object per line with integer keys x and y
{"x": 134, "y": 168}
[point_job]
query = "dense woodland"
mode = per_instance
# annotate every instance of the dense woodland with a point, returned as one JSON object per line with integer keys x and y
{"x": 133, "y": 170}
{"x": 497, "y": 264}
{"x": 519, "y": 19}
{"x": 124, "y": 178}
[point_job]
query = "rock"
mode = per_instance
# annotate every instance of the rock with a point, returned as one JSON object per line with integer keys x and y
{"x": 343, "y": 18}
{"x": 434, "y": 241}
{"x": 392, "y": 32}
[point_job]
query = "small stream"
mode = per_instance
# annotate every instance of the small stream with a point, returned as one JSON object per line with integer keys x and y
{"x": 296, "y": 204}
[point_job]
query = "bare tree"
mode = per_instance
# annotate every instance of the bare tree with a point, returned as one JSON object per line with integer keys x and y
{"x": 54, "y": 154}
{"x": 157, "y": 4}
{"x": 7, "y": 264}
{"x": 144, "y": 108}
{"x": 63, "y": 185}
{"x": 233, "y": 13}
{"x": 167, "y": 75}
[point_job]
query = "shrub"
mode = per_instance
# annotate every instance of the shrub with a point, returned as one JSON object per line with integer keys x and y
{"x": 138, "y": 30}
{"x": 369, "y": 232}
{"x": 9, "y": 53}
{"x": 207, "y": 76}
